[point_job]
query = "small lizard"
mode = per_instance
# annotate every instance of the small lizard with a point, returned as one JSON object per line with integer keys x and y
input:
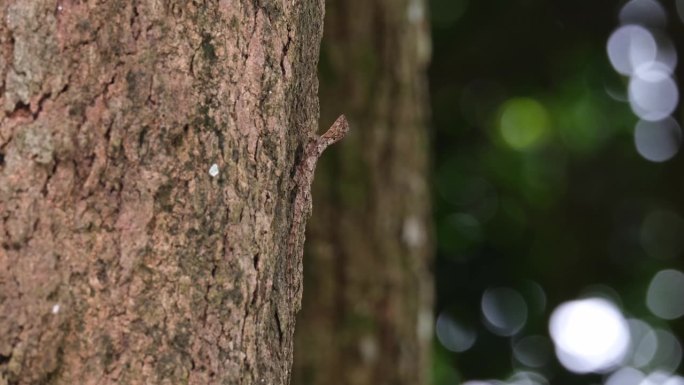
{"x": 303, "y": 179}
{"x": 301, "y": 211}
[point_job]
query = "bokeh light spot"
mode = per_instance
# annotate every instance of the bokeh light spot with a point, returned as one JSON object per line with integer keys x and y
{"x": 533, "y": 351}
{"x": 644, "y": 343}
{"x": 669, "y": 353}
{"x": 646, "y": 12}
{"x": 666, "y": 59}
{"x": 524, "y": 123}
{"x": 454, "y": 335}
{"x": 630, "y": 47}
{"x": 657, "y": 141}
{"x": 527, "y": 378}
{"x": 504, "y": 310}
{"x": 674, "y": 380}
{"x": 590, "y": 335}
{"x": 658, "y": 377}
{"x": 625, "y": 376}
{"x": 653, "y": 95}
{"x": 664, "y": 297}
{"x": 602, "y": 291}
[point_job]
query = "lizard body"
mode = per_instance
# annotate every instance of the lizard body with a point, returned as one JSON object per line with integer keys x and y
{"x": 302, "y": 202}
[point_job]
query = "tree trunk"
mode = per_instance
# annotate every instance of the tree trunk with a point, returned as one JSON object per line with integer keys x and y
{"x": 367, "y": 311}
{"x": 147, "y": 151}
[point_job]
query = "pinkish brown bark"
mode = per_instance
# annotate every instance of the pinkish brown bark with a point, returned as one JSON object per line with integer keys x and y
{"x": 126, "y": 257}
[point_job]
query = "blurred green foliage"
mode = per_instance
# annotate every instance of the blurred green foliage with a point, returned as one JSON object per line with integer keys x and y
{"x": 537, "y": 178}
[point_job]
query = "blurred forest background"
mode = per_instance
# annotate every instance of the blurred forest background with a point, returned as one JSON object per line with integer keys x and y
{"x": 557, "y": 191}
{"x": 554, "y": 133}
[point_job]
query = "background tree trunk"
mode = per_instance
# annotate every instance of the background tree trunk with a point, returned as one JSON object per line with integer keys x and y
{"x": 123, "y": 259}
{"x": 367, "y": 312}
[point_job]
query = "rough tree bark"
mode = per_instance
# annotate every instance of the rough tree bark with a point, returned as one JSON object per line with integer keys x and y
{"x": 125, "y": 257}
{"x": 367, "y": 310}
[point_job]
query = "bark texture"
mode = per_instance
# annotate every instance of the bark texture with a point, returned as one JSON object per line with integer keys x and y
{"x": 125, "y": 257}
{"x": 367, "y": 310}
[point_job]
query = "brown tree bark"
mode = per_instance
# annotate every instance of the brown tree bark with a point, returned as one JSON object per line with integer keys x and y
{"x": 367, "y": 310}
{"x": 147, "y": 150}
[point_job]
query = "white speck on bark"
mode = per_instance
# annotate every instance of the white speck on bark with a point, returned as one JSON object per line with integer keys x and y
{"x": 214, "y": 170}
{"x": 368, "y": 348}
{"x": 424, "y": 324}
{"x": 55, "y": 308}
{"x": 415, "y": 11}
{"x": 413, "y": 233}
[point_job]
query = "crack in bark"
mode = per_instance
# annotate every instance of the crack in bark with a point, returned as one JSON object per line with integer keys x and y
{"x": 40, "y": 104}
{"x": 286, "y": 48}
{"x": 5, "y": 359}
{"x": 279, "y": 328}
{"x": 20, "y": 110}
{"x": 50, "y": 174}
{"x": 245, "y": 362}
{"x": 23, "y": 110}
{"x": 205, "y": 314}
{"x": 133, "y": 19}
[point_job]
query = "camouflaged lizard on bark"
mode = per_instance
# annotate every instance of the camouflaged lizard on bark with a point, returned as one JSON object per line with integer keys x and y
{"x": 301, "y": 211}
{"x": 302, "y": 203}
